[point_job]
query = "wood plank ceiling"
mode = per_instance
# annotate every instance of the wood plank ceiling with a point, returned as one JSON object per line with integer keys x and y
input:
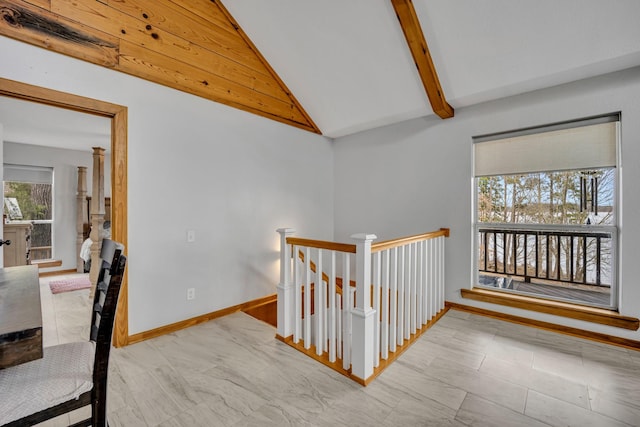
{"x": 191, "y": 45}
{"x": 194, "y": 46}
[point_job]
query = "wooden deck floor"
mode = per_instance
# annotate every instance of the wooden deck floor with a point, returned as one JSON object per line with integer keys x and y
{"x": 582, "y": 294}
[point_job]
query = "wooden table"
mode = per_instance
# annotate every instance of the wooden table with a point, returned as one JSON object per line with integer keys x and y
{"x": 20, "y": 315}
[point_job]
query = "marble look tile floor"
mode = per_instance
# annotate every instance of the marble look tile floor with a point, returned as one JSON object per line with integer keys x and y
{"x": 467, "y": 370}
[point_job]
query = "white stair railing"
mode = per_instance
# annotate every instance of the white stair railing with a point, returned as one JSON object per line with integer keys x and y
{"x": 399, "y": 289}
{"x": 408, "y": 288}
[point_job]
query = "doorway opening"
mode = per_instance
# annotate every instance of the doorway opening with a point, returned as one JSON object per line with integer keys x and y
{"x": 118, "y": 116}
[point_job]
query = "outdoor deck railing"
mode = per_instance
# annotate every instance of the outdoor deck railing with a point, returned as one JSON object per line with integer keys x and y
{"x": 575, "y": 257}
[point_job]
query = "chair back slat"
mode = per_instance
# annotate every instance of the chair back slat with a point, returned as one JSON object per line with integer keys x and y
{"x": 105, "y": 301}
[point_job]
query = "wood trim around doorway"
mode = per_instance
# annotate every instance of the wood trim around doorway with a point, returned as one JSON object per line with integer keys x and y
{"x": 118, "y": 116}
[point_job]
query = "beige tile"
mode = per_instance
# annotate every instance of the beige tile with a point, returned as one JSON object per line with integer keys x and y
{"x": 418, "y": 412}
{"x": 198, "y": 416}
{"x": 479, "y": 412}
{"x": 627, "y": 410}
{"x": 556, "y": 412}
{"x": 466, "y": 370}
{"x": 501, "y": 392}
{"x": 401, "y": 382}
{"x": 502, "y": 350}
{"x": 534, "y": 379}
{"x": 126, "y": 417}
{"x": 561, "y": 364}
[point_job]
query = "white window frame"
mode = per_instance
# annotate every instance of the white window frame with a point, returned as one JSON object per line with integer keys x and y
{"x": 34, "y": 175}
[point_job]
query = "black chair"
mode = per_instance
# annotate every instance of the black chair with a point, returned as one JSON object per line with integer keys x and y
{"x": 73, "y": 375}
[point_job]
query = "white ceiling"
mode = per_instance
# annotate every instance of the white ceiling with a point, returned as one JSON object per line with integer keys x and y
{"x": 28, "y": 122}
{"x": 348, "y": 64}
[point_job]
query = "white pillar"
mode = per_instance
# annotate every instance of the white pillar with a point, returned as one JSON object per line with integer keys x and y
{"x": 363, "y": 315}
{"x": 285, "y": 287}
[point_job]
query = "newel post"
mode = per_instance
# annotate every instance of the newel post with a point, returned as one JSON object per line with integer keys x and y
{"x": 285, "y": 287}
{"x": 363, "y": 316}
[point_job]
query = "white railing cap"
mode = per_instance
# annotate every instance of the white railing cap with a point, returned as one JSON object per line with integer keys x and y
{"x": 364, "y": 236}
{"x": 286, "y": 230}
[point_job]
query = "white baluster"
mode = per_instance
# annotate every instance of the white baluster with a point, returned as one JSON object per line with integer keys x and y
{"x": 407, "y": 292}
{"x": 393, "y": 312}
{"x": 376, "y": 307}
{"x": 442, "y": 266}
{"x": 307, "y": 299}
{"x": 338, "y": 326}
{"x": 433, "y": 292}
{"x": 384, "y": 331}
{"x": 325, "y": 316}
{"x": 401, "y": 315}
{"x": 363, "y": 316}
{"x": 297, "y": 294}
{"x": 285, "y": 302}
{"x": 425, "y": 282}
{"x": 347, "y": 303}
{"x": 419, "y": 284}
{"x": 332, "y": 308}
{"x": 319, "y": 305}
{"x": 414, "y": 287}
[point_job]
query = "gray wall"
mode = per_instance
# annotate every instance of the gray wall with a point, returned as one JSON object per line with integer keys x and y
{"x": 416, "y": 176}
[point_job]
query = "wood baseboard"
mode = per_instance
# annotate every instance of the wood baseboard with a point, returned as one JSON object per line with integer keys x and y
{"x": 556, "y": 308}
{"x": 167, "y": 329}
{"x": 580, "y": 333}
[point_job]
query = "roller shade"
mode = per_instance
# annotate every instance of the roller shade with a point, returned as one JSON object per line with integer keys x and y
{"x": 591, "y": 146}
{"x": 30, "y": 174}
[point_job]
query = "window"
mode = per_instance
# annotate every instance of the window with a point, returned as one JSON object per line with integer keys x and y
{"x": 546, "y": 211}
{"x": 29, "y": 197}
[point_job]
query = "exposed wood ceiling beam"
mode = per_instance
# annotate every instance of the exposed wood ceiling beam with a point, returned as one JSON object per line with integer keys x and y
{"x": 418, "y": 46}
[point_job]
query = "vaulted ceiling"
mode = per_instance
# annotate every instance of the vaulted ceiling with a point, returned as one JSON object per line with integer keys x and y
{"x": 349, "y": 66}
{"x": 333, "y": 66}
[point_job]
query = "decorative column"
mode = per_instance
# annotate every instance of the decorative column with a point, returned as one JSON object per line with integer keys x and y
{"x": 81, "y": 215}
{"x": 363, "y": 316}
{"x": 285, "y": 287}
{"x": 97, "y": 215}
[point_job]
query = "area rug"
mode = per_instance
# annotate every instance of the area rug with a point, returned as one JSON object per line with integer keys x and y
{"x": 67, "y": 285}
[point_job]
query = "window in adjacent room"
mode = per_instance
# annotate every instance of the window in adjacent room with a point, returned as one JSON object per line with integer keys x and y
{"x": 546, "y": 211}
{"x": 28, "y": 195}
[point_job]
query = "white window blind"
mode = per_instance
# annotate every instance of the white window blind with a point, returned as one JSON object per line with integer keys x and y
{"x": 30, "y": 174}
{"x": 582, "y": 147}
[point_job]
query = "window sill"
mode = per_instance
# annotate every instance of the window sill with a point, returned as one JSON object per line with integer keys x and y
{"x": 46, "y": 263}
{"x": 587, "y": 314}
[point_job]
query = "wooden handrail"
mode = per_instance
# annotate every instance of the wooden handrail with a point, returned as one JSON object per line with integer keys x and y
{"x": 348, "y": 248}
{"x": 321, "y": 244}
{"x": 389, "y": 244}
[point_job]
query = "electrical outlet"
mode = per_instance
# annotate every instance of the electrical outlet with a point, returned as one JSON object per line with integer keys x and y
{"x": 191, "y": 293}
{"x": 191, "y": 236}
